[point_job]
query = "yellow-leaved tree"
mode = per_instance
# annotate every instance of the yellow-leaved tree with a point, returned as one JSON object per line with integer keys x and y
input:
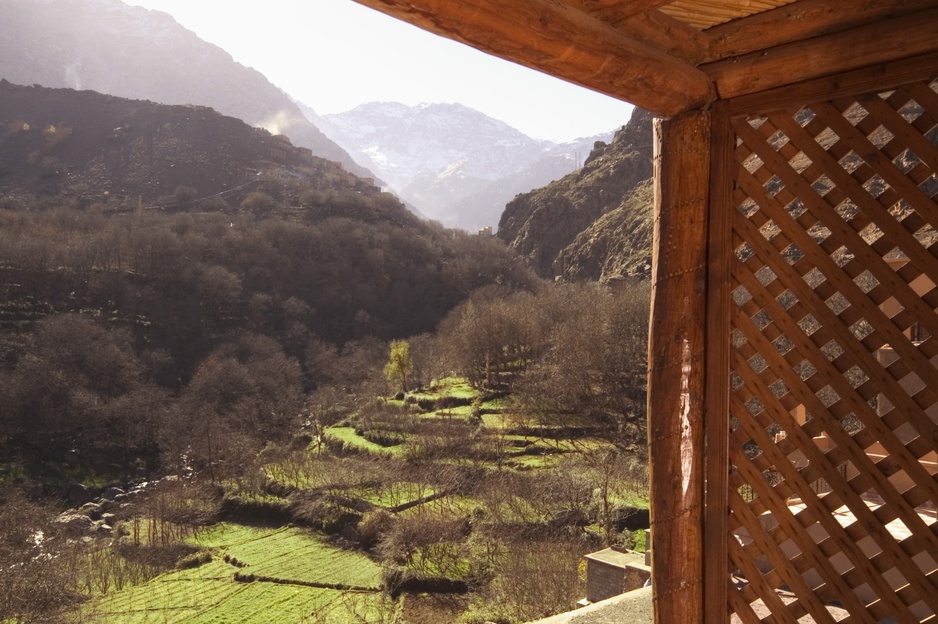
{"x": 399, "y": 366}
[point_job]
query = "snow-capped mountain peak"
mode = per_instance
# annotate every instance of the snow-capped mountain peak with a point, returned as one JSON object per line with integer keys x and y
{"x": 453, "y": 163}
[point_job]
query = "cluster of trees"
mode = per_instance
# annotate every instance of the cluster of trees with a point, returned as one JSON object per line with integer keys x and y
{"x": 572, "y": 355}
{"x": 77, "y": 394}
{"x": 150, "y": 342}
{"x": 191, "y": 278}
{"x": 106, "y": 320}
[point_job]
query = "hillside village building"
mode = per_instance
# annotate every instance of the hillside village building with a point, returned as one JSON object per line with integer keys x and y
{"x": 791, "y": 357}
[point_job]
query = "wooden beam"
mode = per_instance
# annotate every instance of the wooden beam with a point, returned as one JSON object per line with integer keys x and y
{"x": 880, "y": 42}
{"x": 557, "y": 39}
{"x": 719, "y": 315}
{"x": 639, "y": 20}
{"x": 664, "y": 33}
{"x": 676, "y": 361}
{"x": 621, "y": 9}
{"x": 802, "y": 20}
{"x": 881, "y": 77}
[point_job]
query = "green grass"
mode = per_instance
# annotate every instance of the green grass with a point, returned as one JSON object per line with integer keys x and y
{"x": 498, "y": 422}
{"x": 210, "y": 595}
{"x": 398, "y": 493}
{"x": 352, "y": 439}
{"x": 452, "y": 507}
{"x": 448, "y": 387}
{"x": 534, "y": 462}
{"x": 461, "y": 412}
{"x": 291, "y": 553}
{"x": 172, "y": 599}
{"x": 494, "y": 405}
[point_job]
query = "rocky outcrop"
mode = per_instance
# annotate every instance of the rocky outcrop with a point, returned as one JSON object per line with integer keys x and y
{"x": 617, "y": 246}
{"x": 541, "y": 224}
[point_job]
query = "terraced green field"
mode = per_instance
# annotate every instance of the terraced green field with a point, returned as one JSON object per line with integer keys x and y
{"x": 287, "y": 555}
{"x": 211, "y": 595}
{"x": 398, "y": 493}
{"x": 349, "y": 437}
{"x": 449, "y": 387}
{"x": 172, "y": 599}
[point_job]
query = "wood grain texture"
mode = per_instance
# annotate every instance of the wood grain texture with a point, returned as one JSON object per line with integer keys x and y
{"x": 676, "y": 387}
{"x": 664, "y": 33}
{"x": 716, "y": 423}
{"x": 882, "y": 41}
{"x": 802, "y": 20}
{"x": 877, "y": 77}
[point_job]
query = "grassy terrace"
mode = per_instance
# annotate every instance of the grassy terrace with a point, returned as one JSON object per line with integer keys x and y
{"x": 299, "y": 573}
{"x": 405, "y": 507}
{"x": 348, "y": 436}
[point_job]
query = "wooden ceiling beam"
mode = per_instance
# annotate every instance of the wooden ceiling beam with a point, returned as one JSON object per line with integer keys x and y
{"x": 882, "y": 41}
{"x": 557, "y": 39}
{"x": 640, "y": 20}
{"x": 802, "y": 20}
{"x": 618, "y": 9}
{"x": 664, "y": 33}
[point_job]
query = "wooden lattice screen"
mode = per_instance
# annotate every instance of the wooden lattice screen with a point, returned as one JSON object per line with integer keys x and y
{"x": 833, "y": 349}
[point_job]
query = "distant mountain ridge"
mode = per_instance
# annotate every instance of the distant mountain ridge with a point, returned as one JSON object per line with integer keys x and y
{"x": 136, "y": 53}
{"x": 453, "y": 163}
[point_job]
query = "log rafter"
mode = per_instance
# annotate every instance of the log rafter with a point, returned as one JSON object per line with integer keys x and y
{"x": 882, "y": 41}
{"x": 800, "y": 21}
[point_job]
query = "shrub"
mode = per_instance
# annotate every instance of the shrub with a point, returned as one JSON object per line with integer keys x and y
{"x": 373, "y": 527}
{"x": 255, "y": 511}
{"x": 194, "y": 560}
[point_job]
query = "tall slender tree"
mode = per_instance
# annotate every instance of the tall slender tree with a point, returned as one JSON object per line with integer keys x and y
{"x": 399, "y": 366}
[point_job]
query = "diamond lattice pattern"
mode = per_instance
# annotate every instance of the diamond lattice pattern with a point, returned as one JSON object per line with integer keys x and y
{"x": 834, "y": 380}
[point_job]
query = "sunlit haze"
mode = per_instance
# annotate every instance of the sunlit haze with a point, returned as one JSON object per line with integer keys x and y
{"x": 335, "y": 54}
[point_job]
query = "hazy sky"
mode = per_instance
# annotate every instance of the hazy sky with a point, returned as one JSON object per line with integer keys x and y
{"x": 335, "y": 54}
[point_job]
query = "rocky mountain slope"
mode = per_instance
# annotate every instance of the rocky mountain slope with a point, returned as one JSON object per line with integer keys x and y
{"x": 594, "y": 223}
{"x": 452, "y": 163}
{"x": 132, "y": 52}
{"x": 97, "y": 148}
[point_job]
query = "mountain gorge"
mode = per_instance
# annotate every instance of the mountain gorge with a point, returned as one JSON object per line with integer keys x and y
{"x": 450, "y": 162}
{"x": 132, "y": 52}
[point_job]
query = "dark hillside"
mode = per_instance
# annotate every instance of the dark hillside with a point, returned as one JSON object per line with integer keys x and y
{"x": 541, "y": 224}
{"x": 173, "y": 282}
{"x": 132, "y": 52}
{"x": 88, "y": 145}
{"x": 191, "y": 226}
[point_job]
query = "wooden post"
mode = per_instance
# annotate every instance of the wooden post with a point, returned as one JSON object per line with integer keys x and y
{"x": 676, "y": 352}
{"x": 716, "y": 417}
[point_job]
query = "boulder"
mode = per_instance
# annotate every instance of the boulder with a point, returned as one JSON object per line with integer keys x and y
{"x": 74, "y": 523}
{"x": 78, "y": 494}
{"x": 112, "y": 492}
{"x": 92, "y": 510}
{"x": 103, "y": 529}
